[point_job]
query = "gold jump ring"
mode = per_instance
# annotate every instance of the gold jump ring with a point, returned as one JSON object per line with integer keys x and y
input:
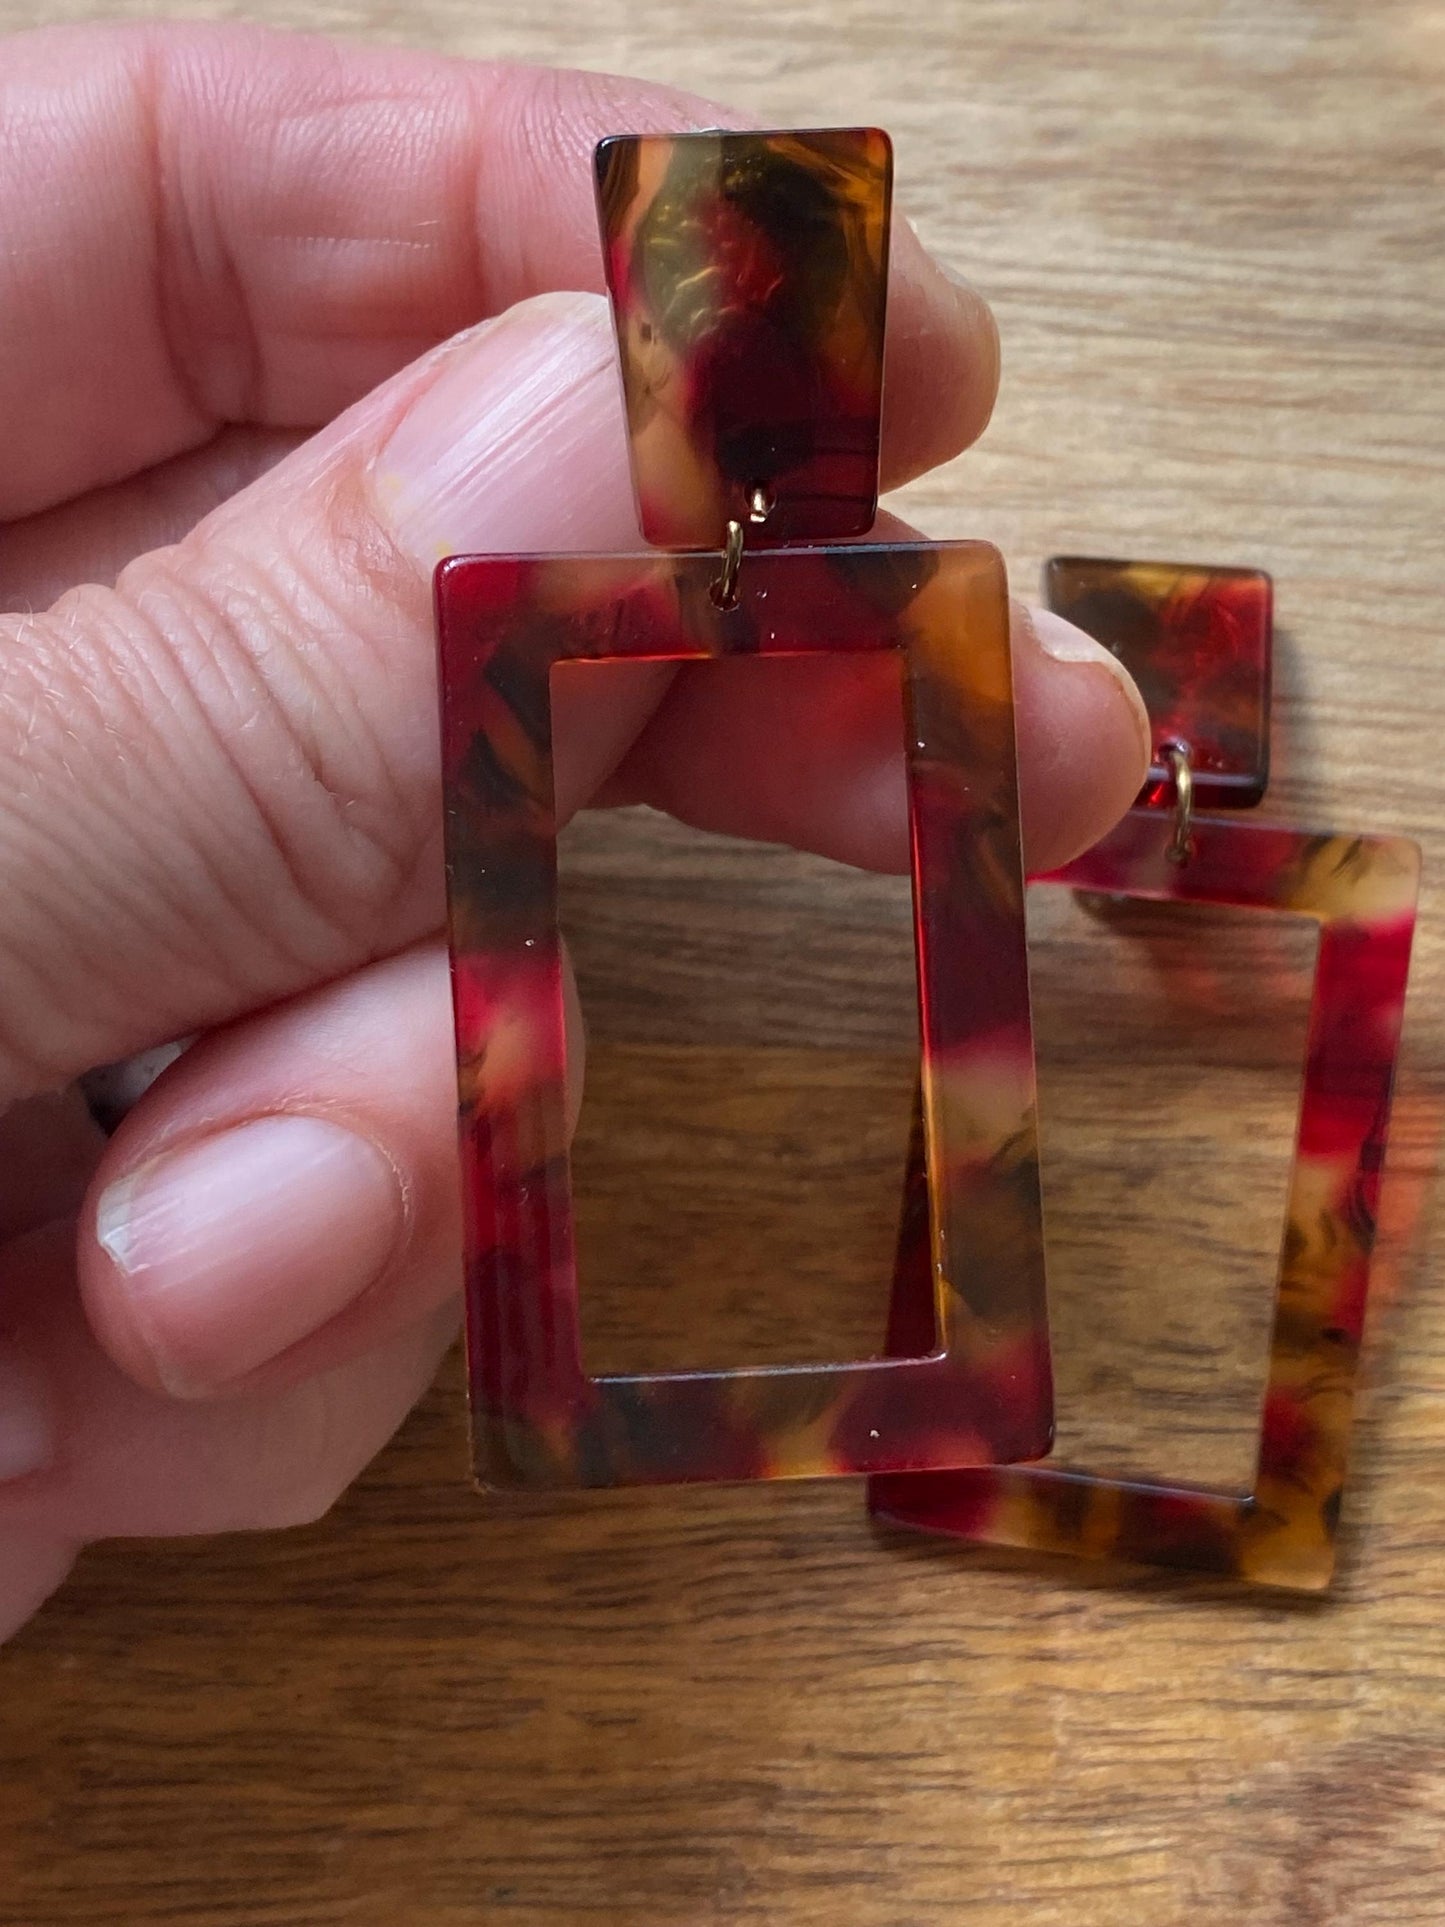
{"x": 1181, "y": 847}
{"x": 725, "y": 589}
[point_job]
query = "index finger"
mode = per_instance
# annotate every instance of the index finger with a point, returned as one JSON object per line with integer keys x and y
{"x": 209, "y": 225}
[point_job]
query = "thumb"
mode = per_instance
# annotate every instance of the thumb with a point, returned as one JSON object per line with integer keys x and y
{"x": 222, "y": 775}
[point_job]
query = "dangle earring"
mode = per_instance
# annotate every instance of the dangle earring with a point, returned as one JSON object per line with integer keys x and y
{"x": 1198, "y": 643}
{"x": 748, "y": 276}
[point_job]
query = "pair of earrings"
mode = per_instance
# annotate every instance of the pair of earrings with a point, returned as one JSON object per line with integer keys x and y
{"x": 748, "y": 275}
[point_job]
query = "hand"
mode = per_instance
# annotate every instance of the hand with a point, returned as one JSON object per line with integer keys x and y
{"x": 240, "y": 425}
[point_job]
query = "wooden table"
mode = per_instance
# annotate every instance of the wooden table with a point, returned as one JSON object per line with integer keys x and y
{"x": 1212, "y": 232}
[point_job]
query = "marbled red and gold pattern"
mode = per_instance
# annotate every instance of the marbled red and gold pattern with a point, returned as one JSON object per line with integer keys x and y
{"x": 1362, "y": 891}
{"x": 1198, "y": 643}
{"x": 748, "y": 275}
{"x": 977, "y": 1390}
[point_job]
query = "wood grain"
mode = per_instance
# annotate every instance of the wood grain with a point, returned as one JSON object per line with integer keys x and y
{"x": 1212, "y": 232}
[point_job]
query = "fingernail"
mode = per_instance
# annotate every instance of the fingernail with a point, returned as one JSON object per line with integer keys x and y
{"x": 518, "y": 443}
{"x": 1064, "y": 643}
{"x": 27, "y": 1423}
{"x": 236, "y": 1248}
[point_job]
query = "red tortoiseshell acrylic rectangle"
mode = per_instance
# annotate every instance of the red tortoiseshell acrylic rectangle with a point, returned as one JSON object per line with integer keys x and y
{"x": 977, "y": 1391}
{"x": 748, "y": 275}
{"x": 1362, "y": 892}
{"x": 1197, "y": 641}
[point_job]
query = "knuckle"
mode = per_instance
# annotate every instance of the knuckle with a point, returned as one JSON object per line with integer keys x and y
{"x": 215, "y": 761}
{"x": 288, "y": 667}
{"x": 68, "y": 711}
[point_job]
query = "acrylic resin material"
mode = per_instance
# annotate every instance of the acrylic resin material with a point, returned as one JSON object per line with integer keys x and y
{"x": 1362, "y": 892}
{"x": 1198, "y": 643}
{"x": 977, "y": 1389}
{"x": 748, "y": 275}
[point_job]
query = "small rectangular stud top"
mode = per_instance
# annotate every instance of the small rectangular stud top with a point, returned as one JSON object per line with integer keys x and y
{"x": 1198, "y": 643}
{"x": 749, "y": 277}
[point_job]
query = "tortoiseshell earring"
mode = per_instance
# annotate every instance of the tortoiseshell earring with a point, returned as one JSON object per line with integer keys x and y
{"x": 748, "y": 275}
{"x": 1198, "y": 643}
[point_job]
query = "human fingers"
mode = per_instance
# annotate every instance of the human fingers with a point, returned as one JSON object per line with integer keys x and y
{"x": 93, "y": 1455}
{"x": 92, "y": 537}
{"x": 286, "y": 1196}
{"x": 246, "y": 226}
{"x": 86, "y": 1454}
{"x": 229, "y": 761}
{"x": 809, "y": 752}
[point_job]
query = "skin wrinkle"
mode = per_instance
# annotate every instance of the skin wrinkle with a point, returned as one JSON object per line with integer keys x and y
{"x": 219, "y": 616}
{"x": 399, "y": 601}
{"x": 411, "y": 125}
{"x": 27, "y": 977}
{"x": 475, "y": 221}
{"x": 162, "y": 165}
{"x": 97, "y": 111}
{"x": 222, "y": 628}
{"x": 465, "y": 118}
{"x": 527, "y": 126}
{"x": 211, "y": 945}
{"x": 63, "y": 922}
{"x": 94, "y": 537}
{"x": 173, "y": 620}
{"x": 389, "y": 830}
{"x": 343, "y": 756}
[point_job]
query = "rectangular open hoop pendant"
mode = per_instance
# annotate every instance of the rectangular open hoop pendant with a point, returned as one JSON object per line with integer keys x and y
{"x": 1362, "y": 892}
{"x": 977, "y": 1390}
